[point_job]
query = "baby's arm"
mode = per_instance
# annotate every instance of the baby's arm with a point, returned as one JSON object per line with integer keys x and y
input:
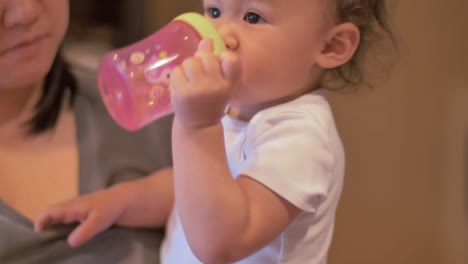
{"x": 141, "y": 203}
{"x": 223, "y": 219}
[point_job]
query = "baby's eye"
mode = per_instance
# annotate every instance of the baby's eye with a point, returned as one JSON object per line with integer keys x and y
{"x": 253, "y": 18}
{"x": 213, "y": 12}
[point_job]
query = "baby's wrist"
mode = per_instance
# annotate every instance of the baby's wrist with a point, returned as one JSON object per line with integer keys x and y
{"x": 123, "y": 193}
{"x": 196, "y": 125}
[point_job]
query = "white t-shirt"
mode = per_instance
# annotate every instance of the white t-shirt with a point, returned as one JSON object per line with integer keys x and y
{"x": 295, "y": 150}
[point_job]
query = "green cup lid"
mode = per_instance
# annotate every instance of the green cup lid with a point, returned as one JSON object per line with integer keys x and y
{"x": 205, "y": 28}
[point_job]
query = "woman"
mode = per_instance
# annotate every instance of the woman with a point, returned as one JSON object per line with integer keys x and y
{"x": 57, "y": 142}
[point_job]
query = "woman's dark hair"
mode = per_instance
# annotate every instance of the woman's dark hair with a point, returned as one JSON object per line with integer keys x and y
{"x": 59, "y": 87}
{"x": 371, "y": 17}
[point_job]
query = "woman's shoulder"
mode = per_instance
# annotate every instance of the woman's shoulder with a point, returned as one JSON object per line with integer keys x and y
{"x": 87, "y": 83}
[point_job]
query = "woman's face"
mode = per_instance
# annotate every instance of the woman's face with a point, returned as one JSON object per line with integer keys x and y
{"x": 31, "y": 32}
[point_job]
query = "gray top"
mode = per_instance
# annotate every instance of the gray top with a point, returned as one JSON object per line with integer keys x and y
{"x": 107, "y": 155}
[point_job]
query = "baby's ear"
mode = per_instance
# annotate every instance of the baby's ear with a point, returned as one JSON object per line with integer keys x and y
{"x": 340, "y": 45}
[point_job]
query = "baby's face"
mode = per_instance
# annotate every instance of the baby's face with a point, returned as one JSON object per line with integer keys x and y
{"x": 277, "y": 42}
{"x": 30, "y": 34}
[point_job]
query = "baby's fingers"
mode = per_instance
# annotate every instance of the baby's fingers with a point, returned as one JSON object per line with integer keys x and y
{"x": 89, "y": 228}
{"x": 58, "y": 215}
{"x": 206, "y": 45}
{"x": 230, "y": 66}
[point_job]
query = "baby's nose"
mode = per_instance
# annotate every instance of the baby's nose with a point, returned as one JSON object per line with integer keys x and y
{"x": 231, "y": 42}
{"x": 228, "y": 33}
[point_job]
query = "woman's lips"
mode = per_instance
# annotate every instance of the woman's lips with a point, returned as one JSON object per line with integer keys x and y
{"x": 25, "y": 48}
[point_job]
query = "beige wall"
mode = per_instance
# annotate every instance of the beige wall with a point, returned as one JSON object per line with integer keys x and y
{"x": 161, "y": 12}
{"x": 403, "y": 198}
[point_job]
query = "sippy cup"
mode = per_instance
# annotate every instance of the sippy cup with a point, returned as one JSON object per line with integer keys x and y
{"x": 134, "y": 80}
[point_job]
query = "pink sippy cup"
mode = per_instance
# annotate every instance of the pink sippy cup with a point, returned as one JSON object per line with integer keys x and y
{"x": 134, "y": 80}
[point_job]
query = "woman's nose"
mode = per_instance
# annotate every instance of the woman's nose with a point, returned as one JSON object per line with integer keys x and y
{"x": 20, "y": 13}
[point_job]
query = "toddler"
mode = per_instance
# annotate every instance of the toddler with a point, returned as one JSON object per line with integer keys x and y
{"x": 258, "y": 161}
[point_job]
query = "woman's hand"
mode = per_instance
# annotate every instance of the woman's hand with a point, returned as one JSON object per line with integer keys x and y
{"x": 202, "y": 86}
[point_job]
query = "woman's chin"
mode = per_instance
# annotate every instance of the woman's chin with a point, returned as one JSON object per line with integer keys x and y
{"x": 24, "y": 80}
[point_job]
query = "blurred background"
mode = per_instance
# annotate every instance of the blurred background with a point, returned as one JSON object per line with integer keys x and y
{"x": 406, "y": 193}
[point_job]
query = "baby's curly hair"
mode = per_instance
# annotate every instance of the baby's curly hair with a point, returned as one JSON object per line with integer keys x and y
{"x": 371, "y": 18}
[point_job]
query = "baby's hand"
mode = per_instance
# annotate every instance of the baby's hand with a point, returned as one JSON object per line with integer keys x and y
{"x": 95, "y": 212}
{"x": 202, "y": 86}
